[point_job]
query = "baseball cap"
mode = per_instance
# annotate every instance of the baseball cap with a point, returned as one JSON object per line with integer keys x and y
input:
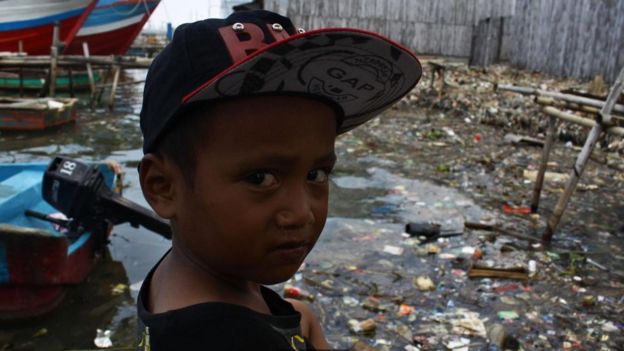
{"x": 255, "y": 53}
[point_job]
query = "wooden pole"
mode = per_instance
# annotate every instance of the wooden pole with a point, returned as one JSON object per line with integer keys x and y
{"x": 54, "y": 57}
{"x": 111, "y": 100}
{"x": 21, "y": 81}
{"x": 560, "y": 96}
{"x": 581, "y": 161}
{"x": 97, "y": 97}
{"x": 85, "y": 51}
{"x": 537, "y": 191}
{"x": 71, "y": 82}
{"x": 20, "y": 47}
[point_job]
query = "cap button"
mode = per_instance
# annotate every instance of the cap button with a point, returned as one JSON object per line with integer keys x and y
{"x": 238, "y": 27}
{"x": 301, "y": 30}
{"x": 277, "y": 27}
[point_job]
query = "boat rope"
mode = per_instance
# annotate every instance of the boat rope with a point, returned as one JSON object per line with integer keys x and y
{"x": 131, "y": 11}
{"x": 147, "y": 9}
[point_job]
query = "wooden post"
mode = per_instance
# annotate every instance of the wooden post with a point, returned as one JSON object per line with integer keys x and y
{"x": 97, "y": 97}
{"x": 20, "y": 47}
{"x": 111, "y": 100}
{"x": 550, "y": 136}
{"x": 85, "y": 51}
{"x": 54, "y": 58}
{"x": 71, "y": 81}
{"x": 603, "y": 118}
{"x": 21, "y": 81}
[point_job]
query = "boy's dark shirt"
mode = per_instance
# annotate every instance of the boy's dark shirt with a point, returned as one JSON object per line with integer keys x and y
{"x": 220, "y": 326}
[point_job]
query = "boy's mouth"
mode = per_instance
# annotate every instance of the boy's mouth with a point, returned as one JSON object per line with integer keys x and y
{"x": 292, "y": 245}
{"x": 292, "y": 251}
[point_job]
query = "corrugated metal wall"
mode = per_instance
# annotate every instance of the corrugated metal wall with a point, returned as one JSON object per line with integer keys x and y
{"x": 580, "y": 38}
{"x": 432, "y": 27}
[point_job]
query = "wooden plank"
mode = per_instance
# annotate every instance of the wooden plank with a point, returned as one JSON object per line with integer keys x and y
{"x": 381, "y": 10}
{"x": 343, "y": 8}
{"x": 572, "y": 40}
{"x": 395, "y": 8}
{"x": 446, "y": 13}
{"x": 615, "y": 53}
{"x": 447, "y": 40}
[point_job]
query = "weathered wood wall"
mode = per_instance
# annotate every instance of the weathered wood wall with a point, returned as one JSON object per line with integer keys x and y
{"x": 579, "y": 38}
{"x": 430, "y": 27}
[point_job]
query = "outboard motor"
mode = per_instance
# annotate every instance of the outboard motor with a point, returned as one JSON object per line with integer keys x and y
{"x": 78, "y": 190}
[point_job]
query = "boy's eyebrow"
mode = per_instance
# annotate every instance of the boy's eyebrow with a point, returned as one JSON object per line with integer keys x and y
{"x": 329, "y": 158}
{"x": 286, "y": 159}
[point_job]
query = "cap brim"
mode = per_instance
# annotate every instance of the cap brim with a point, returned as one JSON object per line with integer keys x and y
{"x": 362, "y": 72}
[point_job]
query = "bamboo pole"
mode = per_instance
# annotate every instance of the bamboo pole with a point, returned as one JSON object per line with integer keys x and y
{"x": 548, "y": 101}
{"x": 586, "y": 122}
{"x": 85, "y": 51}
{"x": 537, "y": 191}
{"x": 560, "y": 96}
{"x": 581, "y": 161}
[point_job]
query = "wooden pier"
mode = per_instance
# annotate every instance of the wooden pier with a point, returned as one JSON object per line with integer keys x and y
{"x": 49, "y": 66}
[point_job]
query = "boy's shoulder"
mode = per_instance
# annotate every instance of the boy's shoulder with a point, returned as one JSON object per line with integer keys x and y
{"x": 219, "y": 325}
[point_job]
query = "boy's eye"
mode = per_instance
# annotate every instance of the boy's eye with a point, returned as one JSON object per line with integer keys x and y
{"x": 263, "y": 179}
{"x": 318, "y": 176}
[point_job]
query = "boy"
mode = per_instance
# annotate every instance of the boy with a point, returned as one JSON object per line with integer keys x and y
{"x": 239, "y": 121}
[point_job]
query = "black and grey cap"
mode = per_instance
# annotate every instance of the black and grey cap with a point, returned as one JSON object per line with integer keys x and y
{"x": 261, "y": 53}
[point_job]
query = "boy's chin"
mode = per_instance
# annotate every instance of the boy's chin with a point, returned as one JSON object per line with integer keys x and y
{"x": 277, "y": 278}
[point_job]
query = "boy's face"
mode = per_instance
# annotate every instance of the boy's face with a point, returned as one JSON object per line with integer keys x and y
{"x": 259, "y": 201}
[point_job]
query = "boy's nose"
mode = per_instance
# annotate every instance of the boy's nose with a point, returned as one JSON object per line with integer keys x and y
{"x": 297, "y": 209}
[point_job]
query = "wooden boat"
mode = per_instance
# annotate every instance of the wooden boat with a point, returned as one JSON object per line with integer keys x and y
{"x": 38, "y": 259}
{"x": 34, "y": 82}
{"x": 23, "y": 114}
{"x": 112, "y": 26}
{"x": 31, "y": 22}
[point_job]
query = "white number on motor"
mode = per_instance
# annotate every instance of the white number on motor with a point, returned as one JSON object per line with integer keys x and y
{"x": 68, "y": 167}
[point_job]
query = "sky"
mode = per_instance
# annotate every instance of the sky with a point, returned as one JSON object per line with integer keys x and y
{"x": 182, "y": 11}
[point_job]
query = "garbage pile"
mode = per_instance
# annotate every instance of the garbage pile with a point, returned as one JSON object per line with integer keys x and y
{"x": 471, "y": 93}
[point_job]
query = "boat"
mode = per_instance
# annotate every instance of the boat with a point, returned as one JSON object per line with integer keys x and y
{"x": 112, "y": 26}
{"x": 26, "y": 114}
{"x": 35, "y": 82}
{"x": 39, "y": 259}
{"x": 31, "y": 23}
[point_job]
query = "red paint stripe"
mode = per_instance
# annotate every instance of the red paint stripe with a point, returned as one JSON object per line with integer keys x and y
{"x": 72, "y": 34}
{"x": 36, "y": 40}
{"x": 109, "y": 43}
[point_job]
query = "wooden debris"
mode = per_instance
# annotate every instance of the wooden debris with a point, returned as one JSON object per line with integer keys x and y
{"x": 491, "y": 272}
{"x": 522, "y": 139}
{"x": 539, "y": 179}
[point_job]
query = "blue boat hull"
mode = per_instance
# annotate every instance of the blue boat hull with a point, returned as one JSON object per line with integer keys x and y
{"x": 37, "y": 258}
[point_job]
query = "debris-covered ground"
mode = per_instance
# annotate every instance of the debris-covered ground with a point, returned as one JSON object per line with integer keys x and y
{"x": 445, "y": 158}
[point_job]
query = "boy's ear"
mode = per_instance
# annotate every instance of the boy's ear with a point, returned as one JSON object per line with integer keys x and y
{"x": 157, "y": 183}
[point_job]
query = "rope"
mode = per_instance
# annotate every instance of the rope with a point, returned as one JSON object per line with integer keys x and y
{"x": 129, "y": 12}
